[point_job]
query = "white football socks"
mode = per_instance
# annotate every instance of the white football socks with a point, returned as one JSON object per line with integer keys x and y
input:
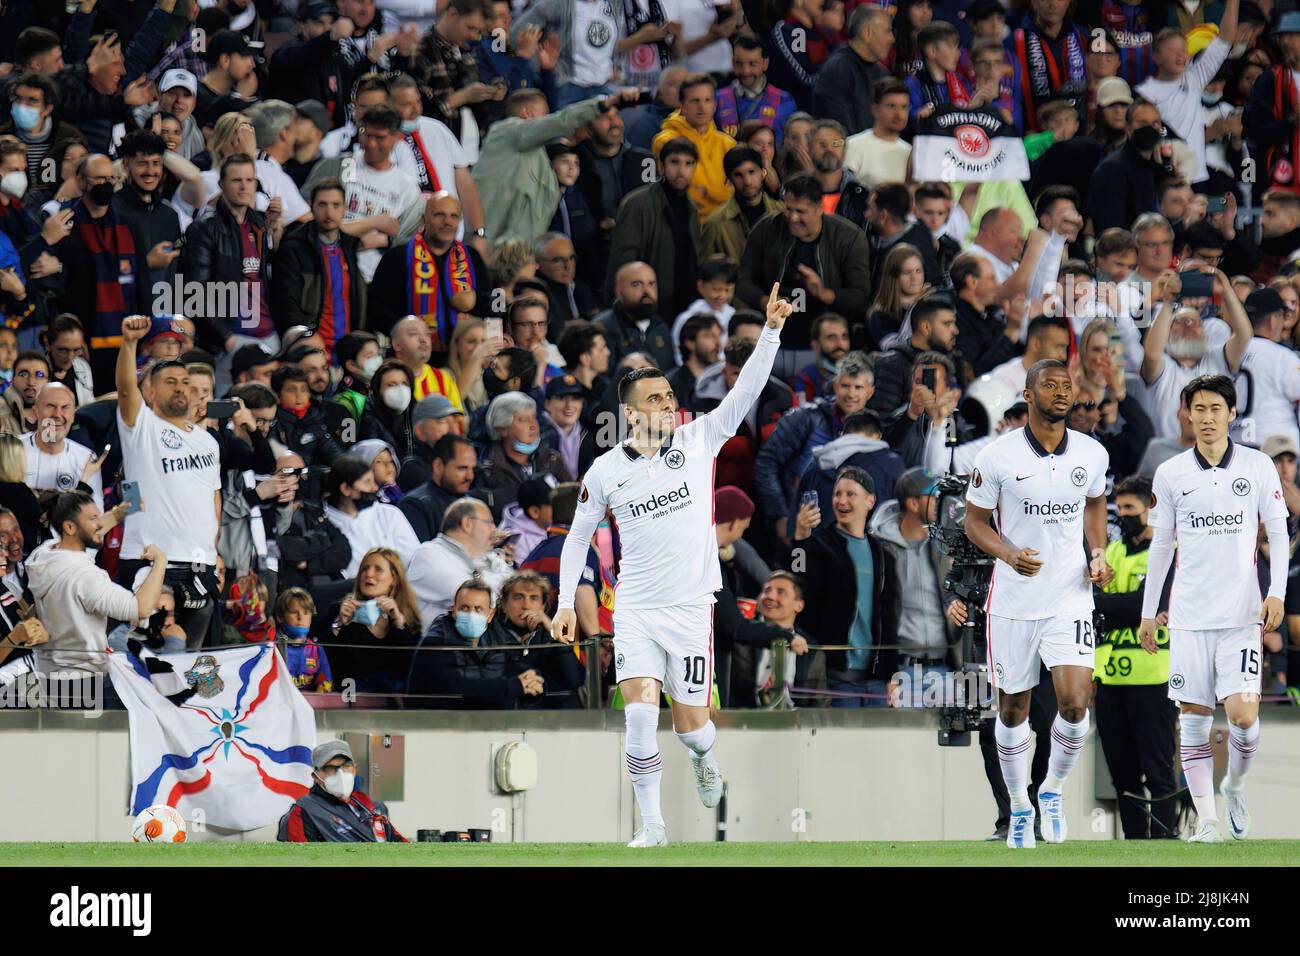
{"x": 701, "y": 740}
{"x": 644, "y": 765}
{"x": 1198, "y": 762}
{"x": 1013, "y": 755}
{"x": 1242, "y": 744}
{"x": 1067, "y": 744}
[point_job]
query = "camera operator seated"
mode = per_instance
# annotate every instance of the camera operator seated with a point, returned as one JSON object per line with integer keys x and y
{"x": 333, "y": 810}
{"x": 466, "y": 678}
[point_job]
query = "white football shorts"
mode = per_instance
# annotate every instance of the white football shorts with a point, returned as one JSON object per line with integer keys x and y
{"x": 673, "y": 645}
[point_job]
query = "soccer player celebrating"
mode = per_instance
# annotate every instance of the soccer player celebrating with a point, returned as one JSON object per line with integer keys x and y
{"x": 659, "y": 487}
{"x": 1046, "y": 484}
{"x": 1211, "y": 500}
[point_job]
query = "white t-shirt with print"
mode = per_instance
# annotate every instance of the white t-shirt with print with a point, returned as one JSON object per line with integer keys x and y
{"x": 375, "y": 192}
{"x": 61, "y": 472}
{"x": 595, "y": 31}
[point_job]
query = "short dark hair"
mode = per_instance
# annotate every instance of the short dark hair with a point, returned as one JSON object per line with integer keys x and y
{"x": 932, "y": 190}
{"x": 936, "y": 358}
{"x": 926, "y": 307}
{"x": 65, "y": 322}
{"x": 141, "y": 142}
{"x": 346, "y": 470}
{"x": 284, "y": 374}
{"x": 564, "y": 502}
{"x": 825, "y": 317}
{"x": 744, "y": 317}
{"x": 157, "y": 368}
{"x": 1201, "y": 235}
{"x": 805, "y": 186}
{"x": 692, "y": 328}
{"x": 717, "y": 266}
{"x": 737, "y": 352}
{"x": 744, "y": 41}
{"x": 676, "y": 145}
{"x": 34, "y": 41}
{"x": 1041, "y": 367}
{"x": 325, "y": 185}
{"x": 1136, "y": 485}
{"x": 520, "y": 364}
{"x": 862, "y": 421}
{"x": 965, "y": 266}
{"x": 382, "y": 116}
{"x": 255, "y": 395}
{"x": 1039, "y": 325}
{"x": 737, "y": 156}
{"x": 894, "y": 199}
{"x": 238, "y": 159}
{"x": 447, "y": 447}
{"x": 31, "y": 355}
{"x": 888, "y": 86}
{"x": 857, "y": 475}
{"x": 695, "y": 79}
{"x": 38, "y": 81}
{"x": 527, "y": 302}
{"x": 936, "y": 31}
{"x": 1220, "y": 385}
{"x": 349, "y": 347}
{"x": 1054, "y": 194}
{"x": 626, "y": 383}
{"x": 577, "y": 339}
{"x": 790, "y": 576}
{"x": 1113, "y": 240}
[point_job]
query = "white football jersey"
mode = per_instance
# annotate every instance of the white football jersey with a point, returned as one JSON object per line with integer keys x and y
{"x": 664, "y": 505}
{"x": 1215, "y": 512}
{"x": 1037, "y": 498}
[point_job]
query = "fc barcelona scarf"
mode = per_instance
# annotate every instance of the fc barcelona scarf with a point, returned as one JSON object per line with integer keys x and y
{"x": 112, "y": 253}
{"x": 431, "y": 293}
{"x": 1281, "y": 159}
{"x": 1040, "y": 74}
{"x": 426, "y": 176}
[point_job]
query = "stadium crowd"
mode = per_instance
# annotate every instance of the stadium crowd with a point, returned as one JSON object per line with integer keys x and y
{"x": 314, "y": 313}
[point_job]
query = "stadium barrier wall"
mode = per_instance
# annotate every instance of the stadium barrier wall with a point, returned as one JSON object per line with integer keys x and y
{"x": 815, "y": 774}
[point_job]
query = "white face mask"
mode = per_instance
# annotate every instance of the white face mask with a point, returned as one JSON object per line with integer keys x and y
{"x": 397, "y": 397}
{"x": 371, "y": 365}
{"x": 339, "y": 784}
{"x": 14, "y": 184}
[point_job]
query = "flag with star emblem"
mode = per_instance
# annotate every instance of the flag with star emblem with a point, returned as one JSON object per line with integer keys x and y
{"x": 236, "y": 753}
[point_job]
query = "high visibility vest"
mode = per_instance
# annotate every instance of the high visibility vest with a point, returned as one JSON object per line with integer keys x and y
{"x": 1120, "y": 659}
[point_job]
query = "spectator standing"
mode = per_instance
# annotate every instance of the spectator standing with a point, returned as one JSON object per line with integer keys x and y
{"x": 632, "y": 323}
{"x": 727, "y": 228}
{"x": 861, "y": 445}
{"x": 463, "y": 550}
{"x": 177, "y": 467}
{"x": 843, "y": 89}
{"x": 750, "y": 96}
{"x": 694, "y": 122}
{"x": 1049, "y": 36}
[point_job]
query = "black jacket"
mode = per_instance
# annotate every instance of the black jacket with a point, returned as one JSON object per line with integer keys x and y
{"x": 424, "y": 508}
{"x": 623, "y": 336}
{"x": 378, "y": 422}
{"x": 314, "y": 539}
{"x": 852, "y": 204}
{"x": 1123, "y": 187}
{"x": 154, "y": 221}
{"x": 390, "y": 290}
{"x": 213, "y": 253}
{"x": 298, "y": 293}
{"x": 842, "y": 90}
{"x": 319, "y": 817}
{"x": 499, "y": 478}
{"x": 844, "y": 264}
{"x": 630, "y": 169}
{"x": 308, "y": 436}
{"x": 379, "y": 666}
{"x": 981, "y": 339}
{"x": 316, "y": 70}
{"x": 893, "y": 379}
{"x": 643, "y": 232}
{"x": 830, "y": 594}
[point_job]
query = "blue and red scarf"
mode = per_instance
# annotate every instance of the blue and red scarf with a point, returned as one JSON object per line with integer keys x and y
{"x": 112, "y": 253}
{"x": 430, "y": 293}
{"x": 1041, "y": 76}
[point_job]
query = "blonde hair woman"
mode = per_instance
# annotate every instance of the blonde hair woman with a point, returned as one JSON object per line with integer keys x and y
{"x": 232, "y": 134}
{"x": 467, "y": 357}
{"x": 379, "y": 616}
{"x": 16, "y": 495}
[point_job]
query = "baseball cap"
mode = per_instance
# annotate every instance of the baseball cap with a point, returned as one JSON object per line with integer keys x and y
{"x": 731, "y": 504}
{"x": 174, "y": 78}
{"x": 563, "y": 385}
{"x": 1289, "y": 22}
{"x": 315, "y": 9}
{"x": 163, "y": 326}
{"x": 915, "y": 482}
{"x": 1275, "y": 445}
{"x": 226, "y": 41}
{"x": 1114, "y": 90}
{"x": 322, "y": 754}
{"x": 315, "y": 111}
{"x": 247, "y": 357}
{"x": 433, "y": 406}
{"x": 292, "y": 337}
{"x": 1264, "y": 302}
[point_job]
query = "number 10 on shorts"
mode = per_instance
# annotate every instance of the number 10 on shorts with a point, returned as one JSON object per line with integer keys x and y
{"x": 694, "y": 670}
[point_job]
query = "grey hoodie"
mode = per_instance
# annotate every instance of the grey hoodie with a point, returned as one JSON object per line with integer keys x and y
{"x": 922, "y": 627}
{"x": 74, "y": 600}
{"x": 835, "y": 453}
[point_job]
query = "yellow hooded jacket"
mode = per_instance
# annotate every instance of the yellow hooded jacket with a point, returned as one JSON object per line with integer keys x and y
{"x": 709, "y": 186}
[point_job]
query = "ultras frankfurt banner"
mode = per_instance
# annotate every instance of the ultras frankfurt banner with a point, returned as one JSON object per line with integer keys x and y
{"x": 954, "y": 144}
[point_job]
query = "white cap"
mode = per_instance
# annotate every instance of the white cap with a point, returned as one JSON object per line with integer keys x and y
{"x": 174, "y": 78}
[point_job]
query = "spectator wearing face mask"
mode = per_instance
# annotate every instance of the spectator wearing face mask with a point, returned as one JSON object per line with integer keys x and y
{"x": 333, "y": 810}
{"x": 465, "y": 678}
{"x": 358, "y": 354}
{"x": 387, "y": 415}
{"x": 352, "y": 505}
{"x": 307, "y": 661}
{"x": 378, "y": 618}
{"x": 516, "y": 452}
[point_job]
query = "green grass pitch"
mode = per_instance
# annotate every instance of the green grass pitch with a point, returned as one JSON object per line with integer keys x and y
{"x": 952, "y": 853}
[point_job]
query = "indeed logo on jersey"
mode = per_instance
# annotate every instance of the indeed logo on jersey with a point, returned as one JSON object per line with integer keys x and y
{"x": 1052, "y": 509}
{"x": 1232, "y": 522}
{"x": 677, "y": 499}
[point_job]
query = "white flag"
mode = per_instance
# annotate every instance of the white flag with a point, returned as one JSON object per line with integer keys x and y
{"x": 238, "y": 751}
{"x": 955, "y": 144}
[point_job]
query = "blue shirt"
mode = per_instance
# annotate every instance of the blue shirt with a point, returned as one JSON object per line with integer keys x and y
{"x": 860, "y": 632}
